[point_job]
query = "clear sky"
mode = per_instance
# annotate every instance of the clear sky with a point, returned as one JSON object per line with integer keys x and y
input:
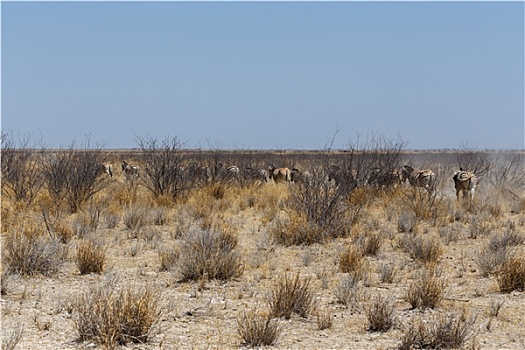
{"x": 265, "y": 75}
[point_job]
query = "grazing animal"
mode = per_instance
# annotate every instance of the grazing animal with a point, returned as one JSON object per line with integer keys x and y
{"x": 280, "y": 174}
{"x": 253, "y": 174}
{"x": 419, "y": 178}
{"x": 383, "y": 178}
{"x": 300, "y": 177}
{"x": 107, "y": 168}
{"x": 130, "y": 170}
{"x": 199, "y": 173}
{"x": 466, "y": 182}
{"x": 342, "y": 177}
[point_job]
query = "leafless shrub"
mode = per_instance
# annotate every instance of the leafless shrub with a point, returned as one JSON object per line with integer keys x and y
{"x": 91, "y": 257}
{"x": 112, "y": 317}
{"x": 291, "y": 296}
{"x": 387, "y": 272}
{"x": 73, "y": 175}
{"x": 511, "y": 275}
{"x": 442, "y": 331}
{"x": 380, "y": 314}
{"x": 476, "y": 161}
{"x": 27, "y": 251}
{"x": 346, "y": 291}
{"x": 323, "y": 208}
{"x": 21, "y": 178}
{"x": 507, "y": 175}
{"x": 426, "y": 291}
{"x": 11, "y": 339}
{"x": 424, "y": 249}
{"x": 210, "y": 253}
{"x": 257, "y": 329}
{"x": 163, "y": 173}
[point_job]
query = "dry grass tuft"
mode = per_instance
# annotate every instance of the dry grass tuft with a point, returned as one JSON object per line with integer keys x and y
{"x": 91, "y": 257}
{"x": 116, "y": 317}
{"x": 210, "y": 253}
{"x": 426, "y": 291}
{"x": 422, "y": 248}
{"x": 28, "y": 251}
{"x": 511, "y": 275}
{"x": 442, "y": 331}
{"x": 352, "y": 261}
{"x": 291, "y": 295}
{"x": 380, "y": 314}
{"x": 11, "y": 340}
{"x": 257, "y": 329}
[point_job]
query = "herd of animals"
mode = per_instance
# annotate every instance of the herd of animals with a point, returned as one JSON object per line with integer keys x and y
{"x": 465, "y": 182}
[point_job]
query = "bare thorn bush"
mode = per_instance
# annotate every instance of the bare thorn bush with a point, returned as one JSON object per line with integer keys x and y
{"x": 112, "y": 317}
{"x": 91, "y": 257}
{"x": 257, "y": 329}
{"x": 442, "y": 331}
{"x": 426, "y": 291}
{"x": 380, "y": 314}
{"x": 291, "y": 295}
{"x": 211, "y": 253}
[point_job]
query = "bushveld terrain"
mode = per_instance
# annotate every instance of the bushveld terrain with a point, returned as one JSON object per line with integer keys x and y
{"x": 149, "y": 262}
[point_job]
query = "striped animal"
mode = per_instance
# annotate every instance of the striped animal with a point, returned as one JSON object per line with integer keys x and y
{"x": 130, "y": 170}
{"x": 199, "y": 173}
{"x": 254, "y": 174}
{"x": 419, "y": 178}
{"x": 466, "y": 182}
{"x": 280, "y": 174}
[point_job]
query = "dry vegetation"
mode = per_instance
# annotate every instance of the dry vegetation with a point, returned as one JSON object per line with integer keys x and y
{"x": 166, "y": 262}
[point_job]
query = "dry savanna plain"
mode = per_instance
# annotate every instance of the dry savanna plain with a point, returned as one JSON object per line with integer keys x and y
{"x": 191, "y": 254}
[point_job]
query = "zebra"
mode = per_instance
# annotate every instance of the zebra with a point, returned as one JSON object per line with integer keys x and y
{"x": 300, "y": 177}
{"x": 344, "y": 177}
{"x": 199, "y": 173}
{"x": 130, "y": 170}
{"x": 419, "y": 178}
{"x": 254, "y": 174}
{"x": 279, "y": 174}
{"x": 466, "y": 182}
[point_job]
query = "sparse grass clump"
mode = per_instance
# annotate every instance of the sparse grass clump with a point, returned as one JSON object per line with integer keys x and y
{"x": 291, "y": 296}
{"x": 380, "y": 314}
{"x": 352, "y": 261}
{"x": 442, "y": 331}
{"x": 136, "y": 217}
{"x": 91, "y": 257}
{"x": 29, "y": 251}
{"x": 421, "y": 248}
{"x": 209, "y": 253}
{"x": 426, "y": 291}
{"x": 257, "y": 329}
{"x": 10, "y": 340}
{"x": 346, "y": 291}
{"x": 296, "y": 231}
{"x": 116, "y": 317}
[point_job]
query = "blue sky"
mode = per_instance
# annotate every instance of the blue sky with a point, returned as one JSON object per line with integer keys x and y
{"x": 265, "y": 75}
